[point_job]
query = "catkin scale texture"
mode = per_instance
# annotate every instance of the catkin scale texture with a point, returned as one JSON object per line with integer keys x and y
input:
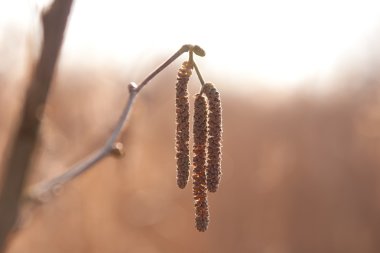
{"x": 182, "y": 122}
{"x": 199, "y": 163}
{"x": 214, "y": 146}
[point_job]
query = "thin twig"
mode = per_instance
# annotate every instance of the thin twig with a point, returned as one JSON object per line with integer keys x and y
{"x": 45, "y": 190}
{"x": 199, "y": 77}
{"x": 21, "y": 151}
{"x": 183, "y": 49}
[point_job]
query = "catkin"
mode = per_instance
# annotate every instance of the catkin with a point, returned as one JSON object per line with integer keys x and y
{"x": 182, "y": 121}
{"x": 214, "y": 137}
{"x": 199, "y": 163}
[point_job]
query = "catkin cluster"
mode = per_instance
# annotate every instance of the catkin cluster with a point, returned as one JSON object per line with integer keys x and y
{"x": 182, "y": 120}
{"x": 207, "y": 135}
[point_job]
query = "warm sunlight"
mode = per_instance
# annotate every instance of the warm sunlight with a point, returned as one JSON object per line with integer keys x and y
{"x": 112, "y": 141}
{"x": 275, "y": 41}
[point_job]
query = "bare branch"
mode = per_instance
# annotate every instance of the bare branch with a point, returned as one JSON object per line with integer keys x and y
{"x": 45, "y": 191}
{"x": 54, "y": 23}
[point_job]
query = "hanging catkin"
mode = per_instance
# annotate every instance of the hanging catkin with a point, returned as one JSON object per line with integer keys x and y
{"x": 199, "y": 162}
{"x": 182, "y": 121}
{"x": 214, "y": 137}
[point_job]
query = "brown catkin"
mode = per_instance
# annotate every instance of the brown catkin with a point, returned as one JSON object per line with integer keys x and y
{"x": 182, "y": 121}
{"x": 199, "y": 162}
{"x": 214, "y": 148}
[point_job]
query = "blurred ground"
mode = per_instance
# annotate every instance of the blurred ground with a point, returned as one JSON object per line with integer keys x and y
{"x": 301, "y": 173}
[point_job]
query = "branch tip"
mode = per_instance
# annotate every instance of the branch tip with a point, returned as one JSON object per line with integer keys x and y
{"x": 186, "y": 48}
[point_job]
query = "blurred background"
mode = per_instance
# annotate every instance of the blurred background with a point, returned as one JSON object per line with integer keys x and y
{"x": 299, "y": 82}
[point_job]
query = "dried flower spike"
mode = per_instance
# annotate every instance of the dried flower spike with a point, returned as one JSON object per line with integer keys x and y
{"x": 214, "y": 151}
{"x": 182, "y": 120}
{"x": 199, "y": 162}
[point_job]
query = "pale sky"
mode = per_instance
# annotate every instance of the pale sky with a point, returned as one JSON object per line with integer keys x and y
{"x": 276, "y": 41}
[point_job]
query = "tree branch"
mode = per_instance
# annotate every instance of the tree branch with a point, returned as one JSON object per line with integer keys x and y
{"x": 44, "y": 191}
{"x": 54, "y": 23}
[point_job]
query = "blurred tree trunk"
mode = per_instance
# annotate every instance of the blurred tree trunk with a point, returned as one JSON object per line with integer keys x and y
{"x": 21, "y": 151}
